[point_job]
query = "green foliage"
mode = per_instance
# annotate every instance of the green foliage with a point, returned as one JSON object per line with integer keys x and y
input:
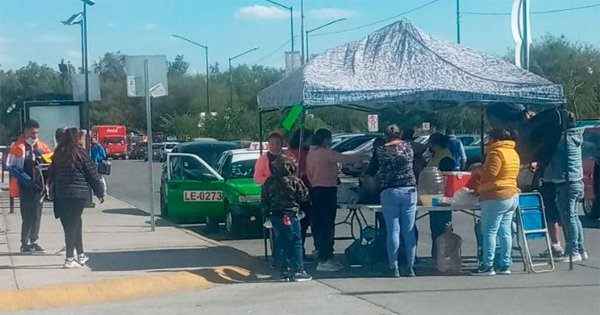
{"x": 573, "y": 65}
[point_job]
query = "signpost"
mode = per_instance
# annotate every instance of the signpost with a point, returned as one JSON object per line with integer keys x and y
{"x": 426, "y": 126}
{"x": 147, "y": 77}
{"x": 373, "y": 122}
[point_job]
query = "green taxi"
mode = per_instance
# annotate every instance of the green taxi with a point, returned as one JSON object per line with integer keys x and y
{"x": 221, "y": 189}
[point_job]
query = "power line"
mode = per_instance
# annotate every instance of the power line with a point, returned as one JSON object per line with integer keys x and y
{"x": 279, "y": 48}
{"x": 536, "y": 12}
{"x": 380, "y": 21}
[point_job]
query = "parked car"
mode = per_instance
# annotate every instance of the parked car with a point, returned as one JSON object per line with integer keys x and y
{"x": 591, "y": 171}
{"x": 356, "y": 169}
{"x": 211, "y": 182}
{"x": 337, "y": 138}
{"x": 137, "y": 151}
{"x": 155, "y": 152}
{"x": 354, "y": 141}
{"x": 165, "y": 149}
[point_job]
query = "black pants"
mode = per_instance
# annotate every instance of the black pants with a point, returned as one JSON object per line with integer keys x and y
{"x": 305, "y": 207}
{"x": 31, "y": 214}
{"x": 437, "y": 224}
{"x": 70, "y": 217}
{"x": 324, "y": 202}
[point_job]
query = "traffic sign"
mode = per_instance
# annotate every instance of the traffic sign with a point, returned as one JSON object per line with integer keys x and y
{"x": 426, "y": 126}
{"x": 373, "y": 122}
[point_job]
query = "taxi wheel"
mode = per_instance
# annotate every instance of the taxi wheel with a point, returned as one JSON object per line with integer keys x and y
{"x": 232, "y": 224}
{"x": 164, "y": 208}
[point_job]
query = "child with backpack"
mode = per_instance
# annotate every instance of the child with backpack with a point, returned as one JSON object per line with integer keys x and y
{"x": 282, "y": 194}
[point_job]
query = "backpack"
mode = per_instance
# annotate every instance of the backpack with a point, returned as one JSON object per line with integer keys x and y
{"x": 367, "y": 250}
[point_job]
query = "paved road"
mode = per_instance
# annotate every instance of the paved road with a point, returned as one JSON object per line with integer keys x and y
{"x": 564, "y": 291}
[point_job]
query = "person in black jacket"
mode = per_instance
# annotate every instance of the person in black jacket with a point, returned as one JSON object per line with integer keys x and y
{"x": 71, "y": 175}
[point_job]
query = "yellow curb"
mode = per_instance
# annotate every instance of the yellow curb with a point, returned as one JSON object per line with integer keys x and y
{"x": 118, "y": 289}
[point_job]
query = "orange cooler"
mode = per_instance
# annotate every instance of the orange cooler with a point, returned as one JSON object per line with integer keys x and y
{"x": 455, "y": 181}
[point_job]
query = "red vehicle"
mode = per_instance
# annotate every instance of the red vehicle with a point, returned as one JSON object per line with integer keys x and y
{"x": 591, "y": 171}
{"x": 113, "y": 139}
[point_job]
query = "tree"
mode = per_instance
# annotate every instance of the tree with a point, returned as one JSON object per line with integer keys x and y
{"x": 575, "y": 66}
{"x": 178, "y": 66}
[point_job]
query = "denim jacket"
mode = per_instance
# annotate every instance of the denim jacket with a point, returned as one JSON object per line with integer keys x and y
{"x": 555, "y": 171}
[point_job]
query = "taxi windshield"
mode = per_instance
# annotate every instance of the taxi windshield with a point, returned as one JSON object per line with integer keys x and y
{"x": 242, "y": 169}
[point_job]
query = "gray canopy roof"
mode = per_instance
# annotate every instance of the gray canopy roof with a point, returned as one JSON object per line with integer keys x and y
{"x": 401, "y": 63}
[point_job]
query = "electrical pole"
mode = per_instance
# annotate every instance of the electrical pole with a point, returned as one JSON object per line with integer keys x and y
{"x": 302, "y": 30}
{"x": 458, "y": 21}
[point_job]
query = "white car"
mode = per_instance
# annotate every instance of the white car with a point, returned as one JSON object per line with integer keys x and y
{"x": 166, "y": 148}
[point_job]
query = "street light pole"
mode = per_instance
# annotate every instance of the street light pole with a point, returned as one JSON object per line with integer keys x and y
{"x": 86, "y": 105}
{"x": 302, "y": 31}
{"x": 207, "y": 69}
{"x": 318, "y": 28}
{"x": 231, "y": 77}
{"x": 291, "y": 9}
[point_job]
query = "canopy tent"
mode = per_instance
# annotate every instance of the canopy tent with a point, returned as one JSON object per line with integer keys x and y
{"x": 401, "y": 63}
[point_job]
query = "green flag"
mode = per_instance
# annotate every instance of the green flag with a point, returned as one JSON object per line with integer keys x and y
{"x": 291, "y": 118}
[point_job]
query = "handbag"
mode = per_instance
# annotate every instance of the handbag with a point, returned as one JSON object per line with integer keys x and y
{"x": 104, "y": 167}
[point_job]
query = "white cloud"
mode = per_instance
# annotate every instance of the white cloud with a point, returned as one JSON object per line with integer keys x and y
{"x": 331, "y": 13}
{"x": 51, "y": 38}
{"x": 261, "y": 12}
{"x": 74, "y": 56}
{"x": 150, "y": 26}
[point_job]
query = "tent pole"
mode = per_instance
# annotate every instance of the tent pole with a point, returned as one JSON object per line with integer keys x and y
{"x": 482, "y": 133}
{"x": 301, "y": 144}
{"x": 564, "y": 116}
{"x": 260, "y": 141}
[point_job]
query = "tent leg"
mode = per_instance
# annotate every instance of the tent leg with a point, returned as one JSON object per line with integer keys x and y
{"x": 264, "y": 217}
{"x": 564, "y": 116}
{"x": 482, "y": 133}
{"x": 301, "y": 144}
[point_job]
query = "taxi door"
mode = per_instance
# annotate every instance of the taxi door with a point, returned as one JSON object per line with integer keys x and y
{"x": 194, "y": 188}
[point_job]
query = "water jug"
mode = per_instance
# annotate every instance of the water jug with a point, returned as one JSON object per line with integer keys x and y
{"x": 431, "y": 186}
{"x": 449, "y": 258}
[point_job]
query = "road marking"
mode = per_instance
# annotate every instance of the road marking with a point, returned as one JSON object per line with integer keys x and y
{"x": 118, "y": 289}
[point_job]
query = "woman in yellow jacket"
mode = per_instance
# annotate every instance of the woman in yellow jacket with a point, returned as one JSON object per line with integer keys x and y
{"x": 499, "y": 198}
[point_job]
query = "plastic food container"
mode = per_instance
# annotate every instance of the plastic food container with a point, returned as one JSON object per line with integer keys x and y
{"x": 455, "y": 181}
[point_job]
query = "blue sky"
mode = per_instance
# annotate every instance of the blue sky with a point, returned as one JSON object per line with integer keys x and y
{"x": 31, "y": 30}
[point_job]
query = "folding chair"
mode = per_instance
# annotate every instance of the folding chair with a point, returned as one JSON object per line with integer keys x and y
{"x": 531, "y": 224}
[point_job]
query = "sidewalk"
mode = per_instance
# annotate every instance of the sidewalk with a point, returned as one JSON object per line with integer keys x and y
{"x": 124, "y": 255}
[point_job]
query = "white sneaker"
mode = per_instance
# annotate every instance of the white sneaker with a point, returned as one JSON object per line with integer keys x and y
{"x": 71, "y": 263}
{"x": 565, "y": 258}
{"x": 328, "y": 266}
{"x": 584, "y": 256}
{"x": 82, "y": 259}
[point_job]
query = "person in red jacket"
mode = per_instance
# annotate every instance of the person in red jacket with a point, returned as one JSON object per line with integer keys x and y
{"x": 27, "y": 183}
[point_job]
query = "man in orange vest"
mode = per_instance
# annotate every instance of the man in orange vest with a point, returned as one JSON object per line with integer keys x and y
{"x": 27, "y": 183}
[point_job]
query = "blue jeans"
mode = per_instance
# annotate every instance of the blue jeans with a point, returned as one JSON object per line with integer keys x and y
{"x": 288, "y": 241}
{"x": 399, "y": 212}
{"x": 567, "y": 199}
{"x": 496, "y": 220}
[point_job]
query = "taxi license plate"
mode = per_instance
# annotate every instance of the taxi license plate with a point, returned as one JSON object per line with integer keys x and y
{"x": 202, "y": 195}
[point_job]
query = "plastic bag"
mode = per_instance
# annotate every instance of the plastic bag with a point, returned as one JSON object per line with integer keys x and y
{"x": 464, "y": 198}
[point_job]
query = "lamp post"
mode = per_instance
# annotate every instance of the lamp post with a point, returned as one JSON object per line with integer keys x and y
{"x": 230, "y": 74}
{"x": 291, "y": 9}
{"x": 86, "y": 104}
{"x": 315, "y": 29}
{"x": 77, "y": 19}
{"x": 207, "y": 70}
